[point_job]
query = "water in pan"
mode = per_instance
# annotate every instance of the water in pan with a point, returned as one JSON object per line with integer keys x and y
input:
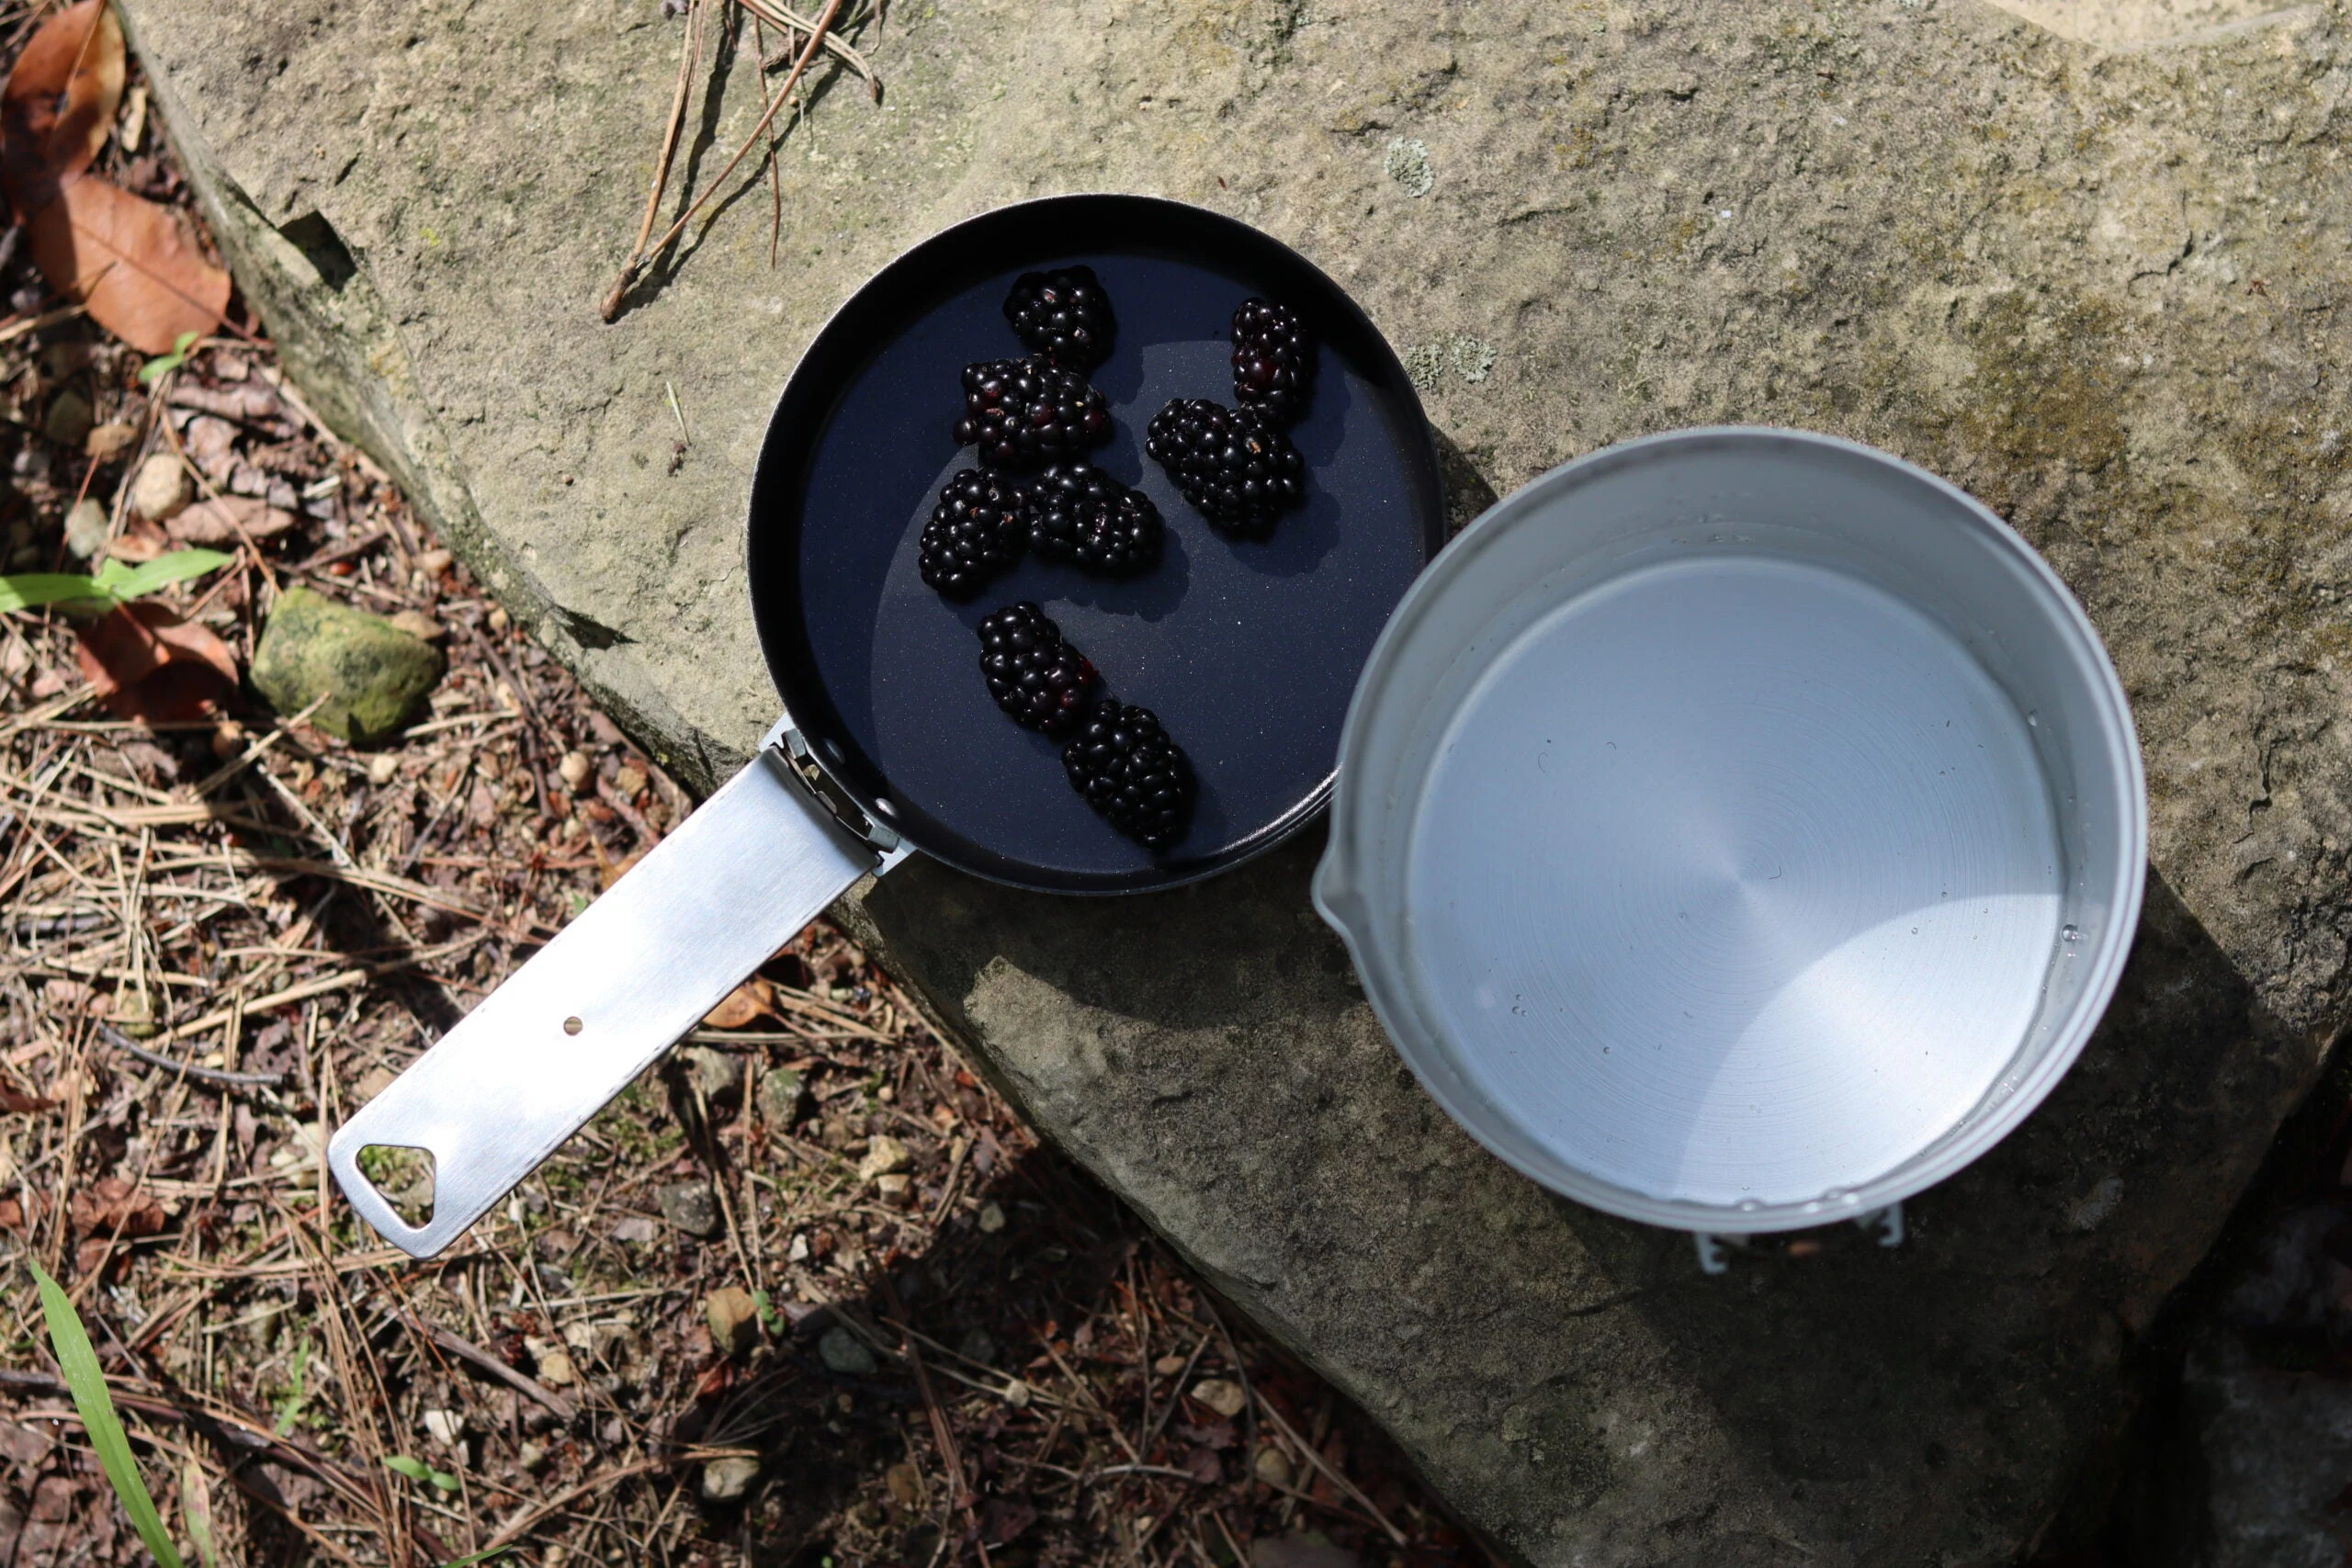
{"x": 1249, "y": 652}
{"x": 1735, "y": 880}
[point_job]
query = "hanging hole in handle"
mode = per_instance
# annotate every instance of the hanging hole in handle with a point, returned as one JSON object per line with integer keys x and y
{"x": 573, "y": 1026}
{"x": 402, "y": 1177}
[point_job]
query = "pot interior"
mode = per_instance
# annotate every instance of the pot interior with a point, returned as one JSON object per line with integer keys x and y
{"x": 1738, "y": 828}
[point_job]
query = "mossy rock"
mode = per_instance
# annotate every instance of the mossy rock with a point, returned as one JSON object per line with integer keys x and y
{"x": 373, "y": 675}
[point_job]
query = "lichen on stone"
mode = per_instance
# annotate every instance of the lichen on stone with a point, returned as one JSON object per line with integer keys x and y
{"x": 1472, "y": 358}
{"x": 1408, "y": 165}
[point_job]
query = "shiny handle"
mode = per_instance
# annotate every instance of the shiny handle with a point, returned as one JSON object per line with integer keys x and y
{"x": 616, "y": 988}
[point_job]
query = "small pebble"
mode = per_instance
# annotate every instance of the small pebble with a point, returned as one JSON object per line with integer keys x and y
{"x": 446, "y": 1426}
{"x": 161, "y": 490}
{"x": 228, "y": 738}
{"x": 992, "y": 1217}
{"x": 498, "y": 619}
{"x": 575, "y": 768}
{"x": 691, "y": 1207}
{"x": 531, "y": 1456}
{"x": 554, "y": 1363}
{"x": 844, "y": 1352}
{"x": 629, "y": 779}
{"x": 734, "y": 1319}
{"x": 432, "y": 563}
{"x": 86, "y": 528}
{"x": 69, "y": 421}
{"x": 1272, "y": 1467}
{"x": 1223, "y": 1396}
{"x": 894, "y": 1189}
{"x": 726, "y": 1480}
{"x": 782, "y": 1096}
{"x": 382, "y": 769}
{"x": 885, "y": 1155}
{"x": 716, "y": 1074}
{"x": 109, "y": 441}
{"x": 417, "y": 624}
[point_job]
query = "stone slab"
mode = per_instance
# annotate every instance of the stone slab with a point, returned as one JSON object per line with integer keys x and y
{"x": 2103, "y": 290}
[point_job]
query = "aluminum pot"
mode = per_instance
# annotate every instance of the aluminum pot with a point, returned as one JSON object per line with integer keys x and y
{"x": 1738, "y": 830}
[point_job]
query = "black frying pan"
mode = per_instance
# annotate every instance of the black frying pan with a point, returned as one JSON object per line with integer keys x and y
{"x": 1248, "y": 651}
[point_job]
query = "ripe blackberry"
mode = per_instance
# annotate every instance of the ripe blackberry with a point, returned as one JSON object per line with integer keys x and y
{"x": 1062, "y": 314}
{"x": 975, "y": 532}
{"x": 1036, "y": 678}
{"x": 1234, "y": 463}
{"x": 1024, "y": 413}
{"x": 1077, "y": 513}
{"x": 1273, "y": 360}
{"x": 1128, "y": 769}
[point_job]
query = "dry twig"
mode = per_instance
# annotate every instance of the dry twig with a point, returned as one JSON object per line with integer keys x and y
{"x": 824, "y": 22}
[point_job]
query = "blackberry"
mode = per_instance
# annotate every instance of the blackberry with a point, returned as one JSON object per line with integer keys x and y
{"x": 1036, "y": 677}
{"x": 1077, "y": 513}
{"x": 1024, "y": 413}
{"x": 1128, "y": 769}
{"x": 1273, "y": 360}
{"x": 975, "y": 532}
{"x": 1062, "y": 314}
{"x": 1234, "y": 463}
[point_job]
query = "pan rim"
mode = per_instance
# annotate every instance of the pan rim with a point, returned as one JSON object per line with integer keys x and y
{"x": 1338, "y": 900}
{"x": 776, "y": 624}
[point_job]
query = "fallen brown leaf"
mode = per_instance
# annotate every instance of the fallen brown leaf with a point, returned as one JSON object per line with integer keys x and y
{"x": 608, "y": 869}
{"x": 111, "y": 1203}
{"x": 147, "y": 663}
{"x": 59, "y": 102}
{"x": 18, "y": 1103}
{"x": 133, "y": 264}
{"x": 249, "y": 402}
{"x": 229, "y": 521}
{"x": 752, "y": 999}
{"x": 138, "y": 541}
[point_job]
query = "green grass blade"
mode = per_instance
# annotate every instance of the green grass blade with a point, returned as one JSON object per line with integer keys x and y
{"x": 163, "y": 571}
{"x": 34, "y": 589}
{"x": 401, "y": 1464}
{"x": 88, "y": 1386}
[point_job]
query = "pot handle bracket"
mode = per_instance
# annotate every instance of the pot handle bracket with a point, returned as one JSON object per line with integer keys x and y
{"x": 1885, "y": 1226}
{"x": 614, "y": 989}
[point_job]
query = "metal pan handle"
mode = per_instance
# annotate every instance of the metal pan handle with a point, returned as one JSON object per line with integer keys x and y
{"x": 614, "y": 989}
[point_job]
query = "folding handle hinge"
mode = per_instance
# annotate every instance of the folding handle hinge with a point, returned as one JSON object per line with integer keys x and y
{"x": 793, "y": 747}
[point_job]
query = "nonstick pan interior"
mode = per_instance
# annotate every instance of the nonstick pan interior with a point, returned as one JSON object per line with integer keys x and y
{"x": 1248, "y": 651}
